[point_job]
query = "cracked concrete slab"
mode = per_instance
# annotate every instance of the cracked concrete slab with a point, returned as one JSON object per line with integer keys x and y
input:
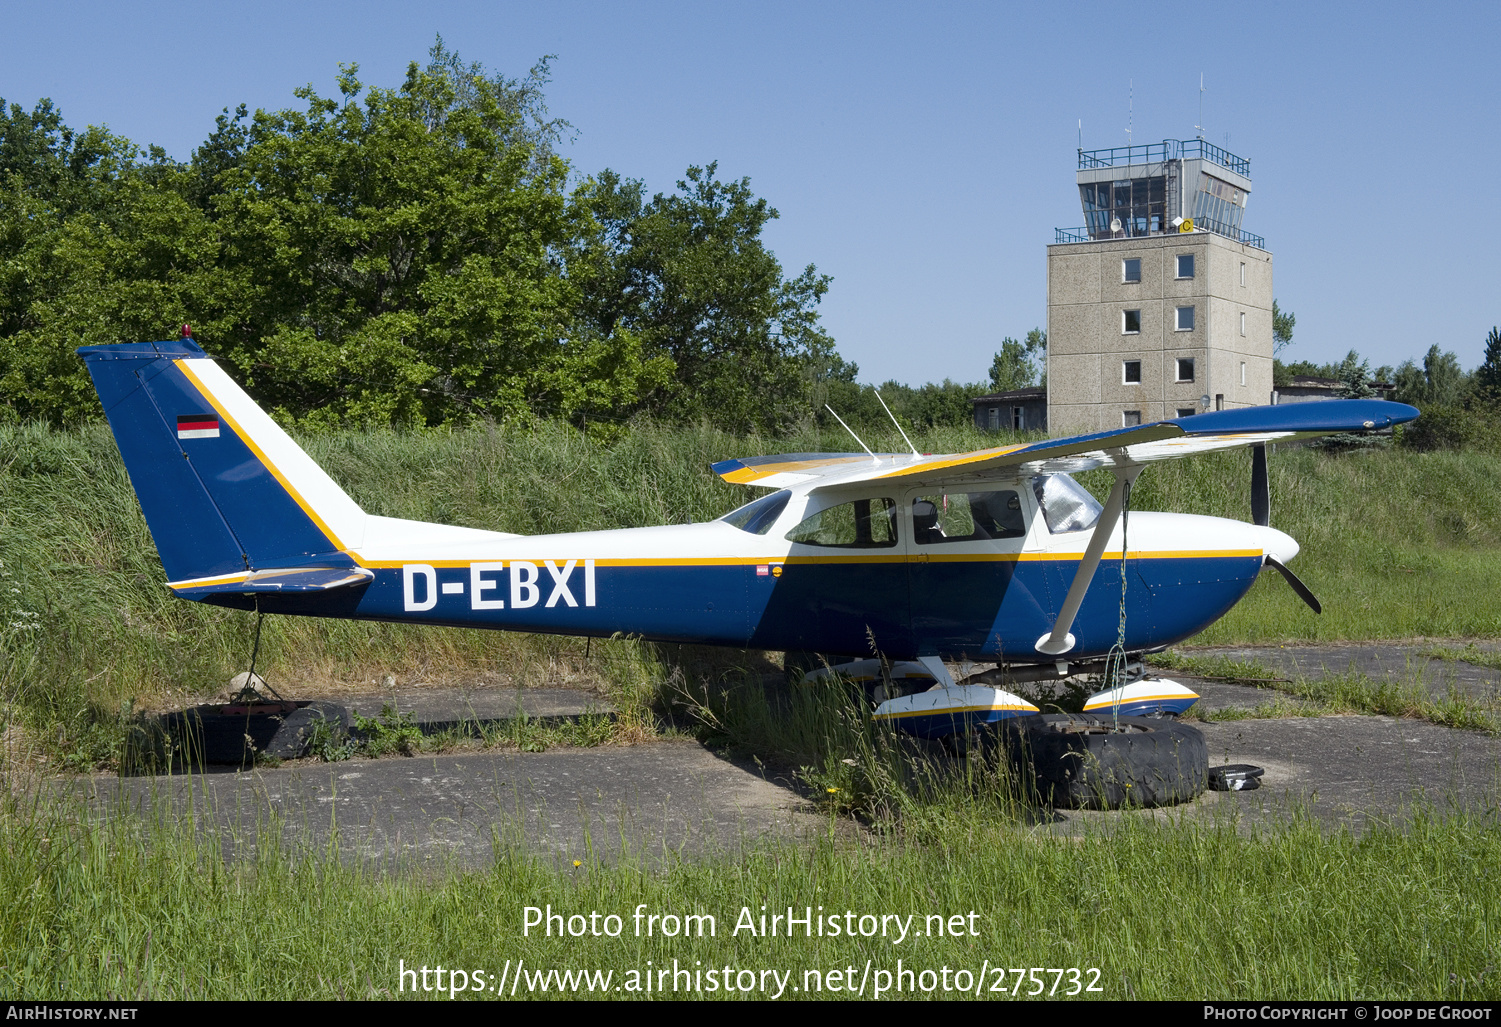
{"x": 1347, "y": 771}
{"x": 664, "y": 799}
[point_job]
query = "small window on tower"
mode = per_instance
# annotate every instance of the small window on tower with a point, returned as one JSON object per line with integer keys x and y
{"x": 1187, "y": 411}
{"x": 1131, "y": 372}
{"x": 1130, "y": 322}
{"x": 1243, "y": 323}
{"x": 1131, "y": 269}
{"x": 1185, "y": 369}
{"x": 1130, "y": 418}
{"x": 1185, "y": 319}
{"x": 1185, "y": 265}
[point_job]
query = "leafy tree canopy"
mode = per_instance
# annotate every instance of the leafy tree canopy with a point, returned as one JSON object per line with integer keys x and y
{"x": 1016, "y": 364}
{"x": 410, "y": 255}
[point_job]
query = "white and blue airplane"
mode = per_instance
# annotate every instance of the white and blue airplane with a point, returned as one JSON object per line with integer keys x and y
{"x": 994, "y": 556}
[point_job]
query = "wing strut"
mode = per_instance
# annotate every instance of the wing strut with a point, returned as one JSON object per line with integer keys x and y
{"x": 1059, "y": 641}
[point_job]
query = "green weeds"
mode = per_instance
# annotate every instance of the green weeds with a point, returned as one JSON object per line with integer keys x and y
{"x": 1348, "y": 692}
{"x": 1470, "y": 653}
{"x": 124, "y": 907}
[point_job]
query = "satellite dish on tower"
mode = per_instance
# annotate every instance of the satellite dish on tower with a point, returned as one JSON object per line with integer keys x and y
{"x": 1115, "y": 224}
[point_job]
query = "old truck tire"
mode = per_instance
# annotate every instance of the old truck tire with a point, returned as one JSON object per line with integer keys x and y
{"x": 1091, "y": 761}
{"x": 209, "y": 734}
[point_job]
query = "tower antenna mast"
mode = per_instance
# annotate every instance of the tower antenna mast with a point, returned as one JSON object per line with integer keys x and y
{"x": 1200, "y": 125}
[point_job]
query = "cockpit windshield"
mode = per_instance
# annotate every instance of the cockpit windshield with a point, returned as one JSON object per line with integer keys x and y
{"x": 1066, "y": 505}
{"x": 759, "y": 515}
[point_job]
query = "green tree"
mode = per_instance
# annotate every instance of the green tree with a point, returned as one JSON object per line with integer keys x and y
{"x": 1283, "y": 323}
{"x": 1016, "y": 364}
{"x": 690, "y": 277}
{"x": 1354, "y": 376}
{"x": 1488, "y": 374}
{"x": 96, "y": 246}
{"x": 1439, "y": 382}
{"x": 400, "y": 259}
{"x": 405, "y": 255}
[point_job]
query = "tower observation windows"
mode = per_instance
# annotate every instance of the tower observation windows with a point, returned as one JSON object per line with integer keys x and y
{"x": 1221, "y": 203}
{"x": 1139, "y": 203}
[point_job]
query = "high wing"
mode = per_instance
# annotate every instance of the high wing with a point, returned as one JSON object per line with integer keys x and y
{"x": 787, "y": 469}
{"x": 1119, "y": 448}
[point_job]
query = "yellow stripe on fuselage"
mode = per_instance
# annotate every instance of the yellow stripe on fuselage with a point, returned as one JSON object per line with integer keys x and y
{"x": 787, "y": 561}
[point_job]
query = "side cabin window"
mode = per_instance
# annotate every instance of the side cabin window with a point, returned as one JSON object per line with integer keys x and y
{"x": 759, "y": 515}
{"x": 968, "y": 517}
{"x": 863, "y": 524}
{"x": 1066, "y": 505}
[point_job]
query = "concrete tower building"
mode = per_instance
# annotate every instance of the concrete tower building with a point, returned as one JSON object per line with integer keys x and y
{"x": 1160, "y": 306}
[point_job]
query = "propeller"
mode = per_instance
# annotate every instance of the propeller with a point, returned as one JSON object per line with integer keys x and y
{"x": 1261, "y": 491}
{"x": 1304, "y": 592}
{"x": 1261, "y": 514}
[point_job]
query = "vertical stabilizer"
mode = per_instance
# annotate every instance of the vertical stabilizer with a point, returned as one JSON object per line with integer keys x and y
{"x": 224, "y": 489}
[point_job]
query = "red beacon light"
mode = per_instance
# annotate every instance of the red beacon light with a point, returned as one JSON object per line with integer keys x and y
{"x": 187, "y": 331}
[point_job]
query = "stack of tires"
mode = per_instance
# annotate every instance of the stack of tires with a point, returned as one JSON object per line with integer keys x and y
{"x": 1096, "y": 761}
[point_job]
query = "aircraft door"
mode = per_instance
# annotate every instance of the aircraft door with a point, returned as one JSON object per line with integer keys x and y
{"x": 842, "y": 589}
{"x": 969, "y": 585}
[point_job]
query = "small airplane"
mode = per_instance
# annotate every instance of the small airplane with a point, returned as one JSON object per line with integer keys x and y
{"x": 904, "y": 560}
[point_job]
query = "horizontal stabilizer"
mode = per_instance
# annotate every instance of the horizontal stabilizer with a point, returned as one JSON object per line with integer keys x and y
{"x": 283, "y": 581}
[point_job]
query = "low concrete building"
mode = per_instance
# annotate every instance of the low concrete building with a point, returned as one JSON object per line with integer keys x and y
{"x": 1305, "y": 388}
{"x": 1017, "y": 410}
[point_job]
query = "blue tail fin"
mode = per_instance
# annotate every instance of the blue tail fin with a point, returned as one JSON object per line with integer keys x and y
{"x": 225, "y": 491}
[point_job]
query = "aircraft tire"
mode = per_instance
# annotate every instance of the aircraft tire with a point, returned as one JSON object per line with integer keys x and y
{"x": 1090, "y": 761}
{"x": 206, "y": 735}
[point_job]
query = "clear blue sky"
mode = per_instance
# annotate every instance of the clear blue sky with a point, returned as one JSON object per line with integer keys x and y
{"x": 922, "y": 154}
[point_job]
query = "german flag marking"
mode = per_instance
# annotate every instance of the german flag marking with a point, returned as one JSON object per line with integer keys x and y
{"x": 197, "y": 426}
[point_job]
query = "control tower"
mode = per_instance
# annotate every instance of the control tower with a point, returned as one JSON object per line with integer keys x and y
{"x": 1160, "y": 306}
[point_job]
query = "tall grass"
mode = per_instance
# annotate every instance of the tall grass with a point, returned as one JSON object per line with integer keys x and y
{"x": 115, "y": 907}
{"x": 1397, "y": 544}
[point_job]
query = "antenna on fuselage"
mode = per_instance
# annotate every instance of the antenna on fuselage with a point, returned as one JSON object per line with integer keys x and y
{"x": 915, "y": 454}
{"x": 852, "y": 432}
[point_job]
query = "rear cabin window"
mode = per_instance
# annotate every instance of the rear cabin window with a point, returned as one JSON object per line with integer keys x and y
{"x": 968, "y": 517}
{"x": 1066, "y": 505}
{"x": 863, "y": 524}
